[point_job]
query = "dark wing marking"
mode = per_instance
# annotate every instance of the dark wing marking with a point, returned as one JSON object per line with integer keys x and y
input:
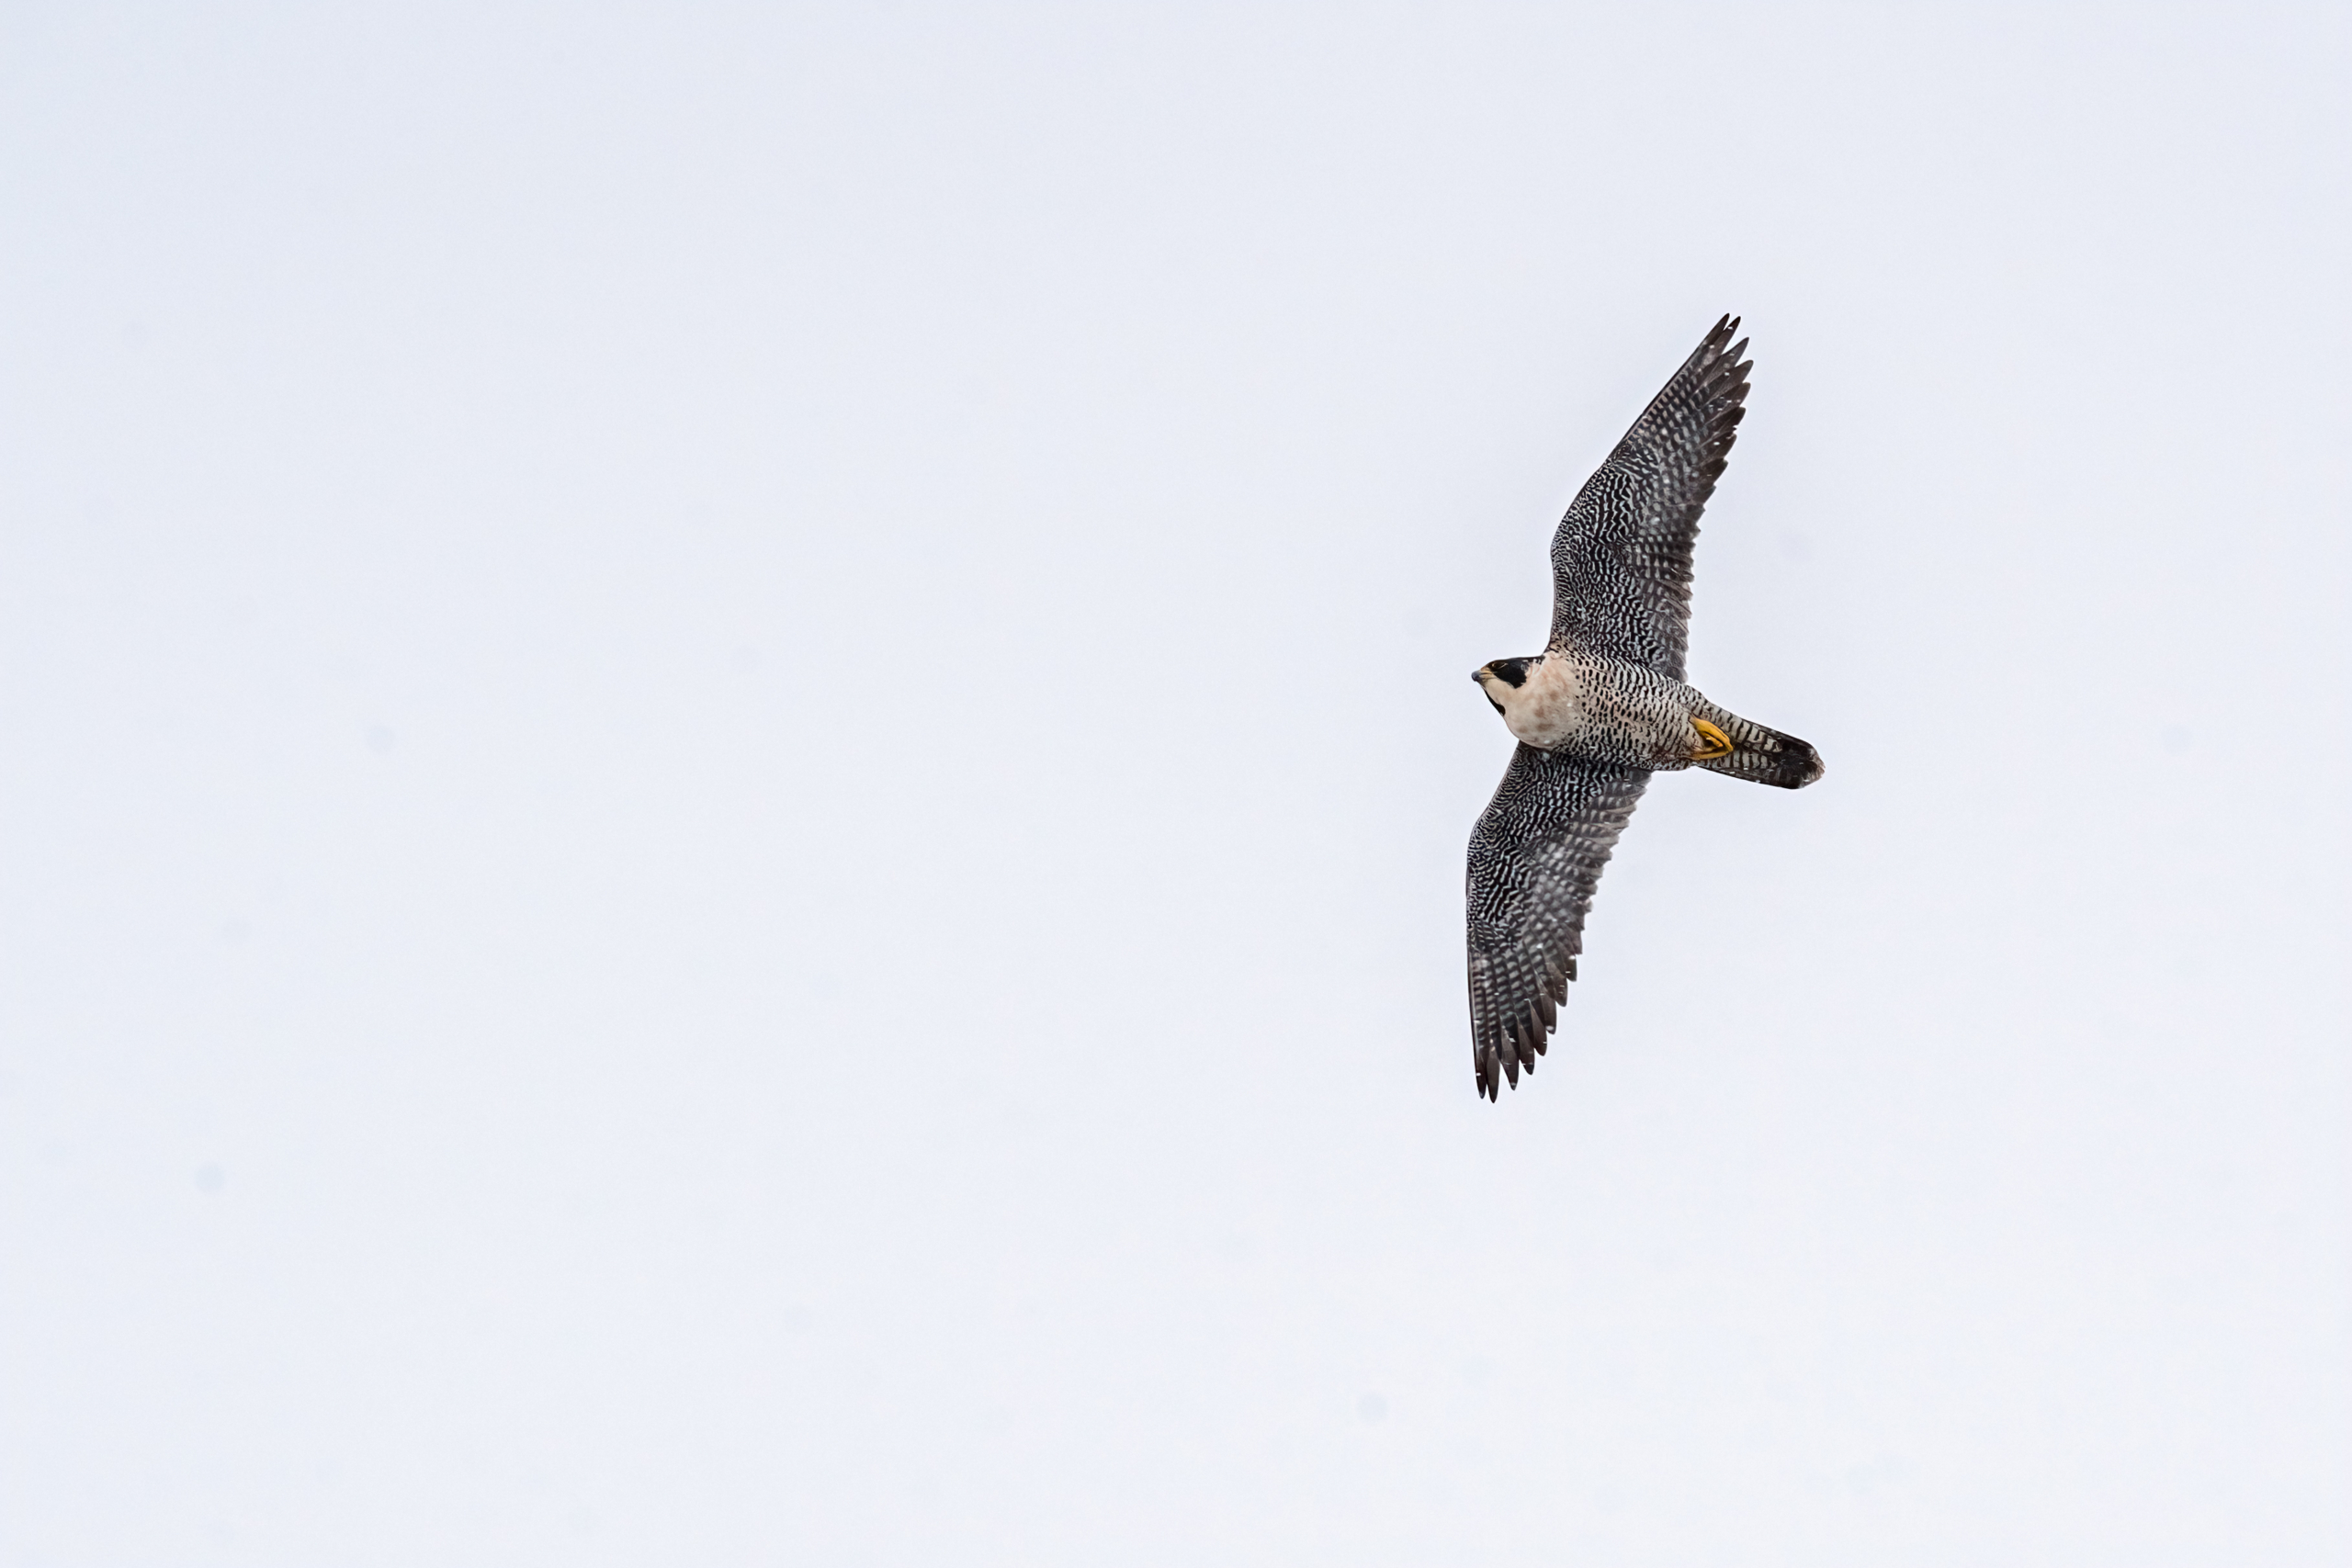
{"x": 1535, "y": 858}
{"x": 1621, "y": 560}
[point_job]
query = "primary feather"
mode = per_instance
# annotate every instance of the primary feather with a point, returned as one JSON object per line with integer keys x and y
{"x": 1535, "y": 859}
{"x": 1620, "y": 559}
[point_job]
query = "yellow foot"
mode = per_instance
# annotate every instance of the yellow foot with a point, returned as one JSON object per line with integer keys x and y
{"x": 1718, "y": 743}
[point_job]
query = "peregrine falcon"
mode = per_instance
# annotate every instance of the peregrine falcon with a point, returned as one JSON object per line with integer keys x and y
{"x": 1603, "y": 707}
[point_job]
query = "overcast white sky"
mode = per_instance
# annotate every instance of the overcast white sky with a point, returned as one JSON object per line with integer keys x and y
{"x": 735, "y": 743}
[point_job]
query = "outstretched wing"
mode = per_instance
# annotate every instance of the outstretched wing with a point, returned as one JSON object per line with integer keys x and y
{"x": 1535, "y": 858}
{"x": 1621, "y": 562}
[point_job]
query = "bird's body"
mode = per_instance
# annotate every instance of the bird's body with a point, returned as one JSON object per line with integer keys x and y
{"x": 1602, "y": 709}
{"x": 1607, "y": 710}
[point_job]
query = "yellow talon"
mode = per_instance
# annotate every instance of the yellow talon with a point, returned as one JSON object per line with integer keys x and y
{"x": 1718, "y": 743}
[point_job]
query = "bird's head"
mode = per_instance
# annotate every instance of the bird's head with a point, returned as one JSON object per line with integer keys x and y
{"x": 1502, "y": 679}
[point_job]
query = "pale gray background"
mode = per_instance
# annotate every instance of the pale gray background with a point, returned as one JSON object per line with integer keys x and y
{"x": 736, "y": 741}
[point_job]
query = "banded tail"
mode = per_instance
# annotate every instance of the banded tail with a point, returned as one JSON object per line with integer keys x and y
{"x": 1760, "y": 755}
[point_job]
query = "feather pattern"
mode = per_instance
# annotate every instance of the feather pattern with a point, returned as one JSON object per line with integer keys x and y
{"x": 1620, "y": 559}
{"x": 1535, "y": 858}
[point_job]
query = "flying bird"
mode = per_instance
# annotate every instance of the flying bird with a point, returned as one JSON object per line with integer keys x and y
{"x": 1604, "y": 706}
